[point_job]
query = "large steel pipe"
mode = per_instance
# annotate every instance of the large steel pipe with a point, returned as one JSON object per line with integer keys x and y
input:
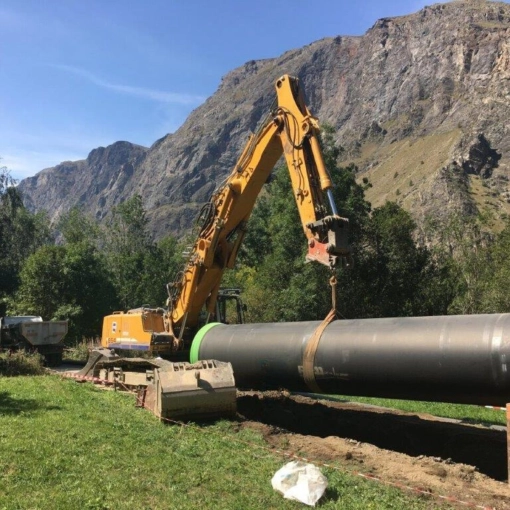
{"x": 464, "y": 358}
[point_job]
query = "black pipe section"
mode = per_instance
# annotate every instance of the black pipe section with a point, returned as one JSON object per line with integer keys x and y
{"x": 459, "y": 359}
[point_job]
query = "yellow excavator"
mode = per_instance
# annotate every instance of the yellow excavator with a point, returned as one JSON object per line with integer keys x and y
{"x": 178, "y": 389}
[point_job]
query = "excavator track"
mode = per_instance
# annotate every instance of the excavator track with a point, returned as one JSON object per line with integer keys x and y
{"x": 170, "y": 390}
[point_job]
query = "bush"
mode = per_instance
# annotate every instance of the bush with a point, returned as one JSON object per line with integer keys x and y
{"x": 21, "y": 363}
{"x": 80, "y": 351}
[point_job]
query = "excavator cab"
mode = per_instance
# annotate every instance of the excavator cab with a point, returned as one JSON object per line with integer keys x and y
{"x": 230, "y": 307}
{"x": 143, "y": 329}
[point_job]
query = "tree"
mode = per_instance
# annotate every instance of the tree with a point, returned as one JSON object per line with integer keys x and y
{"x": 21, "y": 233}
{"x": 67, "y": 282}
{"x": 170, "y": 262}
{"x": 464, "y": 245}
{"x": 393, "y": 270}
{"x": 82, "y": 283}
{"x": 494, "y": 274}
{"x": 43, "y": 287}
{"x": 139, "y": 267}
{"x": 77, "y": 227}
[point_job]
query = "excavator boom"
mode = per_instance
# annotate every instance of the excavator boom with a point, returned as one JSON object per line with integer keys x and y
{"x": 290, "y": 131}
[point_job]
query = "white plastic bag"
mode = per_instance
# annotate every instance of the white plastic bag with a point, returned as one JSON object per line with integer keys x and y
{"x": 300, "y": 482}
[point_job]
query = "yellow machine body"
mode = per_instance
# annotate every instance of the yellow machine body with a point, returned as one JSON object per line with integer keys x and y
{"x": 141, "y": 329}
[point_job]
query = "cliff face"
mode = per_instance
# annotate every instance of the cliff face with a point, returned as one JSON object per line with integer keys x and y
{"x": 93, "y": 184}
{"x": 420, "y": 103}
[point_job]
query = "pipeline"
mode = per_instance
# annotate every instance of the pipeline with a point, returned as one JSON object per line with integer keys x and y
{"x": 459, "y": 359}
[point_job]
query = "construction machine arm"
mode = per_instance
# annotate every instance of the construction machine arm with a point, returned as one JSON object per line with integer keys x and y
{"x": 291, "y": 130}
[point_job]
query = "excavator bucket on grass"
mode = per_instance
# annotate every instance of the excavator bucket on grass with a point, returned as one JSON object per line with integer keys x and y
{"x": 199, "y": 391}
{"x": 172, "y": 391}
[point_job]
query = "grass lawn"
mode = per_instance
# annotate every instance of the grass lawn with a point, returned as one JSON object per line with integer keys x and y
{"x": 466, "y": 413}
{"x": 65, "y": 445}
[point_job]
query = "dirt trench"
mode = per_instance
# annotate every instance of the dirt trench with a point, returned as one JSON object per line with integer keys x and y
{"x": 460, "y": 460}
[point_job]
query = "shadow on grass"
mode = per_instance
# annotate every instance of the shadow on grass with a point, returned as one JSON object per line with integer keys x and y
{"x": 331, "y": 494}
{"x": 483, "y": 423}
{"x": 15, "y": 406}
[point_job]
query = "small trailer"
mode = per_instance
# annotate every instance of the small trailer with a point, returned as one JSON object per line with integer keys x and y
{"x": 31, "y": 333}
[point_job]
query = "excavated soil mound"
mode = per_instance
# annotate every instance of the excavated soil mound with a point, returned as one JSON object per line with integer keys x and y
{"x": 461, "y": 460}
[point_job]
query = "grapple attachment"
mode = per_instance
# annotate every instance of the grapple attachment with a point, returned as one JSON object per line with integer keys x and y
{"x": 184, "y": 391}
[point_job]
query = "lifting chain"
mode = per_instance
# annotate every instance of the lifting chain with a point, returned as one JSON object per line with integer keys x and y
{"x": 313, "y": 342}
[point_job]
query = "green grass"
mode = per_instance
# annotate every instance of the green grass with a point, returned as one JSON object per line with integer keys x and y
{"x": 65, "y": 445}
{"x": 467, "y": 413}
{"x": 21, "y": 363}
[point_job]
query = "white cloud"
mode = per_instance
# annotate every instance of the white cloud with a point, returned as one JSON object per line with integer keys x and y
{"x": 154, "y": 95}
{"x": 27, "y": 163}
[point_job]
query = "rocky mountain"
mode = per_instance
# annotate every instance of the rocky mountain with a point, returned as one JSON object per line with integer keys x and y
{"x": 420, "y": 104}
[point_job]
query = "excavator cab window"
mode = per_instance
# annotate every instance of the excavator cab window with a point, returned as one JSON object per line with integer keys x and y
{"x": 229, "y": 307}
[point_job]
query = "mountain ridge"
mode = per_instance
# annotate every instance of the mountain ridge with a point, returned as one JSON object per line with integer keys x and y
{"x": 419, "y": 103}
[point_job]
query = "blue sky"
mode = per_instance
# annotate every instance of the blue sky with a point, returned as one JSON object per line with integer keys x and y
{"x": 76, "y": 75}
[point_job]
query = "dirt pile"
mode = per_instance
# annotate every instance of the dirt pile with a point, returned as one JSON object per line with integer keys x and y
{"x": 441, "y": 456}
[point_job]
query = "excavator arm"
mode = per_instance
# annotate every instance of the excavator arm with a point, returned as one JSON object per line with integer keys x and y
{"x": 207, "y": 389}
{"x": 292, "y": 131}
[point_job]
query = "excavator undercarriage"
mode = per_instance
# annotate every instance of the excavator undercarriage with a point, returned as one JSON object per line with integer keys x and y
{"x": 170, "y": 390}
